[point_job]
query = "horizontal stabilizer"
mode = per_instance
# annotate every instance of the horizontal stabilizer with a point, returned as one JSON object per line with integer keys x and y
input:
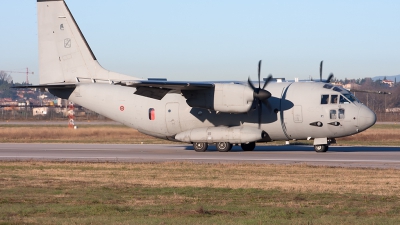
{"x": 53, "y": 86}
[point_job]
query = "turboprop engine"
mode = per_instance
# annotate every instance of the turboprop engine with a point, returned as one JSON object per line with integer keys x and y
{"x": 234, "y": 135}
{"x": 231, "y": 97}
{"x": 225, "y": 97}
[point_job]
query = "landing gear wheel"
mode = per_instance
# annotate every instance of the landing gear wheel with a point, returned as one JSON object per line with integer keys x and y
{"x": 248, "y": 147}
{"x": 200, "y": 146}
{"x": 321, "y": 148}
{"x": 224, "y": 146}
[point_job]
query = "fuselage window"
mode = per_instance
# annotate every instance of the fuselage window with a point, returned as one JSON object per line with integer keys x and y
{"x": 152, "y": 114}
{"x": 343, "y": 100}
{"x": 324, "y": 99}
{"x": 334, "y": 99}
{"x": 332, "y": 114}
{"x": 341, "y": 113}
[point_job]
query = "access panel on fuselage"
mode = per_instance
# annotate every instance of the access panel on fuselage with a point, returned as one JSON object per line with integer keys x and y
{"x": 172, "y": 117}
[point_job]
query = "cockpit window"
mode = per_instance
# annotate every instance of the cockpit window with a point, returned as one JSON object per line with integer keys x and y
{"x": 337, "y": 89}
{"x": 328, "y": 86}
{"x": 324, "y": 99}
{"x": 351, "y": 97}
{"x": 334, "y": 99}
{"x": 343, "y": 100}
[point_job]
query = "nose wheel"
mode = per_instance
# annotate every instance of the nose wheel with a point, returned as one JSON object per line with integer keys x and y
{"x": 321, "y": 148}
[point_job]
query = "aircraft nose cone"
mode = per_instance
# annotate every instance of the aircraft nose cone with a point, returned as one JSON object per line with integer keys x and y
{"x": 366, "y": 118}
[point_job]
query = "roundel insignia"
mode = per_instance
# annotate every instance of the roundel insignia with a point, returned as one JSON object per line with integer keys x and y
{"x": 122, "y": 108}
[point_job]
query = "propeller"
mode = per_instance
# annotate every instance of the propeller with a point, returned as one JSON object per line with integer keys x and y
{"x": 260, "y": 95}
{"x": 320, "y": 74}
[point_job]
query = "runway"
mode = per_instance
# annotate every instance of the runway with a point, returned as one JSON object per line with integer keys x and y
{"x": 374, "y": 157}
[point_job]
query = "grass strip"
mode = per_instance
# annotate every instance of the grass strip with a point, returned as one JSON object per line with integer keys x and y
{"x": 190, "y": 193}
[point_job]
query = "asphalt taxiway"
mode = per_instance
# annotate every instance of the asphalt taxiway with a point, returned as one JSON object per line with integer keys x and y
{"x": 375, "y": 157}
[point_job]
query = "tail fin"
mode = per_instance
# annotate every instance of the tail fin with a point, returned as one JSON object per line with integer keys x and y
{"x": 64, "y": 54}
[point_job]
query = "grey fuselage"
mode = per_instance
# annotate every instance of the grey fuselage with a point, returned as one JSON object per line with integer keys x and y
{"x": 298, "y": 111}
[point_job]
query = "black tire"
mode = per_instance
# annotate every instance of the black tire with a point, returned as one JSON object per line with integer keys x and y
{"x": 321, "y": 148}
{"x": 248, "y": 147}
{"x": 200, "y": 146}
{"x": 224, "y": 146}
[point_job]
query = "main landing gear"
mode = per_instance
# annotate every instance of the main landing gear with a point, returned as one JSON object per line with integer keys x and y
{"x": 223, "y": 146}
{"x": 200, "y": 146}
{"x": 248, "y": 147}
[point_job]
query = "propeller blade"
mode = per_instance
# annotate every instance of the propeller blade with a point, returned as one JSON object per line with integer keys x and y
{"x": 259, "y": 113}
{"x": 329, "y": 78}
{"x": 267, "y": 81}
{"x": 259, "y": 74}
{"x": 259, "y": 94}
{"x": 251, "y": 84}
{"x": 320, "y": 70}
{"x": 266, "y": 103}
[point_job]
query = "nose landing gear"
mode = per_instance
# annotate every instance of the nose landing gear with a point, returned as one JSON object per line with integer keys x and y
{"x": 322, "y": 144}
{"x": 321, "y": 148}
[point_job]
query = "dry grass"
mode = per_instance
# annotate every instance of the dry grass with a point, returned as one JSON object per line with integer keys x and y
{"x": 305, "y": 179}
{"x": 387, "y": 134}
{"x": 377, "y": 135}
{"x": 87, "y": 134}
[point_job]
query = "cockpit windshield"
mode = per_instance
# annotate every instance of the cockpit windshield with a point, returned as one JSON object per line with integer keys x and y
{"x": 351, "y": 97}
{"x": 348, "y": 96}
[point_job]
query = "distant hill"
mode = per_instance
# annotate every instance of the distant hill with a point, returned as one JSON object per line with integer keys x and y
{"x": 392, "y": 78}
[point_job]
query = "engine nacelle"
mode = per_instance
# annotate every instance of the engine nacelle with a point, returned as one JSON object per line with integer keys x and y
{"x": 225, "y": 97}
{"x": 234, "y": 135}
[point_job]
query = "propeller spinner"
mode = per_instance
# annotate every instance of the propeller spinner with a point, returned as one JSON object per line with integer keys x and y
{"x": 260, "y": 95}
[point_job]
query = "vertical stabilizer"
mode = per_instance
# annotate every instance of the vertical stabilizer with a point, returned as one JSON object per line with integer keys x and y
{"x": 64, "y": 54}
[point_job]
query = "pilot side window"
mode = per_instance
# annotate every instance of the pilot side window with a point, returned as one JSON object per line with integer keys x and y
{"x": 341, "y": 113}
{"x": 334, "y": 99}
{"x": 332, "y": 114}
{"x": 343, "y": 100}
{"x": 324, "y": 99}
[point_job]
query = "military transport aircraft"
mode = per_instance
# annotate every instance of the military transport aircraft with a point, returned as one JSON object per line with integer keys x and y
{"x": 201, "y": 113}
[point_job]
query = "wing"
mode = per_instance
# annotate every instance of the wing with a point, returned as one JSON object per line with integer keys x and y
{"x": 157, "y": 89}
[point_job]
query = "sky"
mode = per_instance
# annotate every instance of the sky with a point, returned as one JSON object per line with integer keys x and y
{"x": 219, "y": 40}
